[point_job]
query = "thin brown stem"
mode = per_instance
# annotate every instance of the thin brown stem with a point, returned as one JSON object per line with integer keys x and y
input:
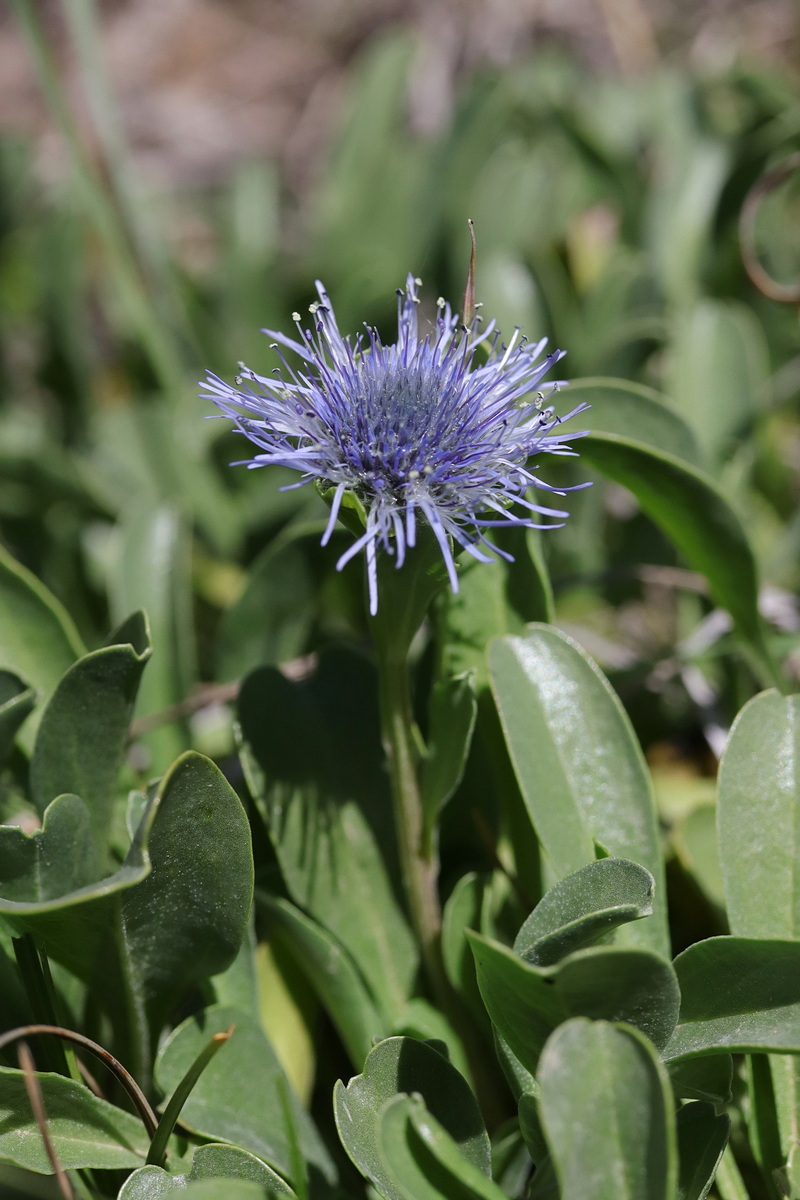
{"x": 138, "y": 1098}
{"x": 28, "y": 1068}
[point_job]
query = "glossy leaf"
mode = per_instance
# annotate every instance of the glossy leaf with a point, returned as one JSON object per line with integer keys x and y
{"x": 630, "y": 410}
{"x": 422, "y": 1159}
{"x": 673, "y": 493}
{"x": 453, "y": 709}
{"x": 403, "y": 1066}
{"x": 17, "y": 701}
{"x": 221, "y": 1108}
{"x": 86, "y": 1131}
{"x": 84, "y": 728}
{"x": 737, "y": 995}
{"x": 577, "y": 761}
{"x": 329, "y": 813}
{"x": 526, "y": 1003}
{"x": 606, "y": 1107}
{"x": 584, "y": 907}
{"x": 331, "y": 972}
{"x": 759, "y": 785}
{"x": 38, "y": 640}
{"x": 213, "y": 1161}
{"x": 702, "y": 1138}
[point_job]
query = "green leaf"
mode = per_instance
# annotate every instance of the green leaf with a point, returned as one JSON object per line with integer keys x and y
{"x": 239, "y": 1189}
{"x": 530, "y": 1123}
{"x": 213, "y": 1161}
{"x": 222, "y": 1108}
{"x": 38, "y": 640}
{"x": 759, "y": 786}
{"x": 453, "y": 708}
{"x": 271, "y": 620}
{"x": 606, "y": 1107}
{"x": 151, "y": 571}
{"x": 719, "y": 368}
{"x": 141, "y": 936}
{"x": 328, "y": 811}
{"x": 462, "y": 911}
{"x": 737, "y": 995}
{"x": 331, "y": 972}
{"x": 86, "y": 1131}
{"x": 702, "y": 1138}
{"x": 187, "y": 919}
{"x": 674, "y": 493}
{"x": 526, "y": 1003}
{"x": 630, "y": 410}
{"x": 84, "y": 728}
{"x": 403, "y": 1066}
{"x": 696, "y": 844}
{"x": 422, "y": 1159}
{"x": 406, "y": 595}
{"x": 16, "y": 702}
{"x": 707, "y": 1078}
{"x": 584, "y": 907}
{"x": 577, "y": 761}
{"x": 52, "y": 862}
{"x": 491, "y": 602}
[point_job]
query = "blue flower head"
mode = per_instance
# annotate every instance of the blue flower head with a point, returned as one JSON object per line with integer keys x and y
{"x": 416, "y": 430}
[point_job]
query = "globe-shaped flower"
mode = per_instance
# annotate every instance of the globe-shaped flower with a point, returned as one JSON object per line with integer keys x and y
{"x": 416, "y": 430}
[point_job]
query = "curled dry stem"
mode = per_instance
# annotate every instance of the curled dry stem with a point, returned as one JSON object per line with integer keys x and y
{"x": 138, "y": 1098}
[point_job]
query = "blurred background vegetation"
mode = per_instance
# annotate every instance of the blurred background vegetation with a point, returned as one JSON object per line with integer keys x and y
{"x": 175, "y": 173}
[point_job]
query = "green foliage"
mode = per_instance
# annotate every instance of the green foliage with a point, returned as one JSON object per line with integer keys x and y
{"x": 567, "y": 707}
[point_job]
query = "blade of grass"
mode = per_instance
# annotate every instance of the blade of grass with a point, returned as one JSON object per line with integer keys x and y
{"x": 158, "y": 1146}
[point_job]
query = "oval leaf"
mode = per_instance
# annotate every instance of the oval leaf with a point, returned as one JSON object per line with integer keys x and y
{"x": 607, "y": 1111}
{"x": 577, "y": 761}
{"x": 84, "y": 728}
{"x": 759, "y": 790}
{"x": 403, "y": 1066}
{"x": 738, "y": 995}
{"x": 208, "y": 1162}
{"x": 583, "y": 907}
{"x": 527, "y": 1003}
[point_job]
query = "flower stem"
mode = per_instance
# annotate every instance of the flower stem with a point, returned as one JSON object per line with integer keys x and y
{"x": 418, "y": 861}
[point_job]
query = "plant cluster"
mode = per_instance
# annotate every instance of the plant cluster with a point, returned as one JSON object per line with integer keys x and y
{"x": 299, "y": 899}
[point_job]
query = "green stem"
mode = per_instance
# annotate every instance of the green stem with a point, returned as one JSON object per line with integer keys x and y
{"x": 418, "y": 861}
{"x": 729, "y": 1182}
